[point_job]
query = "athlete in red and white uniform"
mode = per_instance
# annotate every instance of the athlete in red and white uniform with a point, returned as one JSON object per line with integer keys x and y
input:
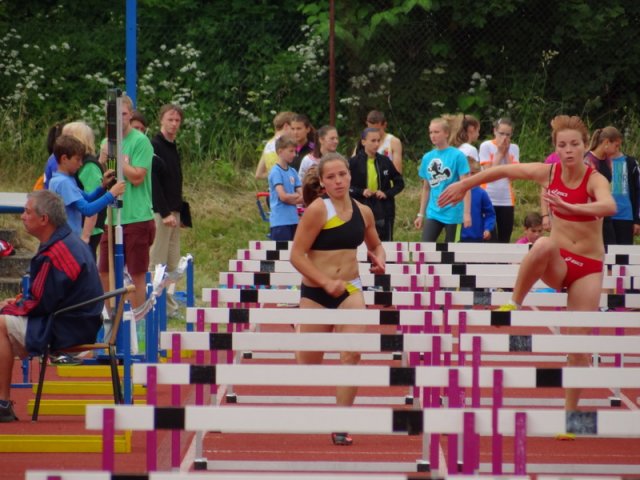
{"x": 571, "y": 257}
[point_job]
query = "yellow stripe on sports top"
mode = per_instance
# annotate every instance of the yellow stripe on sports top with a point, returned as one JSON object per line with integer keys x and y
{"x": 333, "y": 220}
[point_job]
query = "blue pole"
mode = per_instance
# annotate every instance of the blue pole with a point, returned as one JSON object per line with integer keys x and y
{"x": 191, "y": 296}
{"x": 151, "y": 333}
{"x": 131, "y": 50}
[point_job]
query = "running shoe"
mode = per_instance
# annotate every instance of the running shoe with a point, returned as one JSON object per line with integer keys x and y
{"x": 341, "y": 438}
{"x": 509, "y": 307}
{"x": 6, "y": 412}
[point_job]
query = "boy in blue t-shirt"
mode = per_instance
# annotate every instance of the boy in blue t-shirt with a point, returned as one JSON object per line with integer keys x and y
{"x": 69, "y": 152}
{"x": 285, "y": 191}
{"x": 483, "y": 215}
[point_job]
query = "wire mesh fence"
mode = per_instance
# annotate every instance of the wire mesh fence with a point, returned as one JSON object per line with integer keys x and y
{"x": 232, "y": 73}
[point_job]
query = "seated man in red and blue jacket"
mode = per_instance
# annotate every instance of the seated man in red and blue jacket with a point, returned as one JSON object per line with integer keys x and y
{"x": 63, "y": 273}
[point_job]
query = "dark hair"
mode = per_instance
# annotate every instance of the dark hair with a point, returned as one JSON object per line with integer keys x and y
{"x": 311, "y": 188}
{"x": 169, "y": 107}
{"x": 285, "y": 141}
{"x": 69, "y": 146}
{"x": 321, "y": 133}
{"x": 46, "y": 202}
{"x": 136, "y": 115}
{"x": 376, "y": 116}
{"x": 503, "y": 121}
{"x": 363, "y": 136}
{"x": 533, "y": 219}
{"x": 53, "y": 133}
{"x": 302, "y": 118}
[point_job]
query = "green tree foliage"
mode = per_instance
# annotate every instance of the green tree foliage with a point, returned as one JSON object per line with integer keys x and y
{"x": 234, "y": 64}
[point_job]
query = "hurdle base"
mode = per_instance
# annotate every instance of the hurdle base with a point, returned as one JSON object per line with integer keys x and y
{"x": 615, "y": 401}
{"x": 231, "y": 398}
{"x": 423, "y": 466}
{"x": 247, "y": 355}
{"x": 200, "y": 464}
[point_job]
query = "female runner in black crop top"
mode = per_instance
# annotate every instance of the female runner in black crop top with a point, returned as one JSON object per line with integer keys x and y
{"x": 324, "y": 252}
{"x": 572, "y": 256}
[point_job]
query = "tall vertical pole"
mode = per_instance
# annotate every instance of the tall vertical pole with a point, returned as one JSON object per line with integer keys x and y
{"x": 332, "y": 63}
{"x": 131, "y": 50}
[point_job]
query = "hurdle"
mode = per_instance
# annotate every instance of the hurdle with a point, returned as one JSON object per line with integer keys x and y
{"x": 399, "y": 256}
{"x": 312, "y": 342}
{"x": 441, "y": 298}
{"x": 470, "y": 423}
{"x": 401, "y": 281}
{"x": 283, "y": 266}
{"x": 428, "y": 378}
{"x": 496, "y": 342}
{"x": 103, "y": 475}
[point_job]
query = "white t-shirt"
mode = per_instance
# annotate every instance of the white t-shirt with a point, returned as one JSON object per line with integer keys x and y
{"x": 307, "y": 162}
{"x": 500, "y": 192}
{"x": 469, "y": 151}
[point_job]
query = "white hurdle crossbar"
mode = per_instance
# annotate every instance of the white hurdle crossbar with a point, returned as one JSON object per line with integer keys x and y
{"x": 329, "y": 342}
{"x": 104, "y": 475}
{"x": 363, "y": 420}
{"x": 384, "y": 375}
{"x": 432, "y": 299}
{"x": 394, "y": 281}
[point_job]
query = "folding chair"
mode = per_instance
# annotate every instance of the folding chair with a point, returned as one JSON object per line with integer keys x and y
{"x": 109, "y": 345}
{"x": 262, "y": 201}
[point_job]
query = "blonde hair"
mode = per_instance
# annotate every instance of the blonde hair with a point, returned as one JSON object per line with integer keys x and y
{"x": 442, "y": 121}
{"x": 84, "y": 133}
{"x": 601, "y": 134}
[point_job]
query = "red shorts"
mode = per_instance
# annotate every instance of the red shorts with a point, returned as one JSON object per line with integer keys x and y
{"x": 578, "y": 267}
{"x": 138, "y": 238}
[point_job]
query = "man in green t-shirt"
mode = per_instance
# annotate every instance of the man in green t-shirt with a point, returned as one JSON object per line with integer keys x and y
{"x": 136, "y": 214}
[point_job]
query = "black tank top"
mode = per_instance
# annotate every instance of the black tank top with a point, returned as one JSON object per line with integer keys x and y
{"x": 336, "y": 234}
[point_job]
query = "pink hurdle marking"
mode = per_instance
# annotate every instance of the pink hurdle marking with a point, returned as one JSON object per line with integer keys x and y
{"x": 152, "y": 399}
{"x": 108, "y": 439}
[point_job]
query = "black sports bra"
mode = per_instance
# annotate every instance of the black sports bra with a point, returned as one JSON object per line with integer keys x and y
{"x": 336, "y": 234}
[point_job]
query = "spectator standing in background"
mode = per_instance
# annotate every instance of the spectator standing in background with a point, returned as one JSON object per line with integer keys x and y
{"x": 483, "y": 217}
{"x": 285, "y": 191}
{"x": 136, "y": 214}
{"x": 90, "y": 176}
{"x": 500, "y": 151}
{"x": 282, "y": 126}
{"x": 375, "y": 182}
{"x": 465, "y": 134}
{"x": 390, "y": 145}
{"x": 51, "y": 165}
{"x": 304, "y": 133}
{"x": 139, "y": 122}
{"x": 167, "y": 194}
{"x": 439, "y": 168}
{"x": 69, "y": 152}
{"x": 326, "y": 141}
{"x": 622, "y": 173}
